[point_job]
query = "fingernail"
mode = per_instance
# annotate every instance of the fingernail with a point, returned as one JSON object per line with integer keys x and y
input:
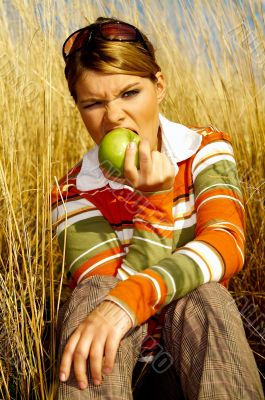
{"x": 62, "y": 376}
{"x": 106, "y": 370}
{"x": 132, "y": 145}
{"x": 82, "y": 385}
{"x": 97, "y": 382}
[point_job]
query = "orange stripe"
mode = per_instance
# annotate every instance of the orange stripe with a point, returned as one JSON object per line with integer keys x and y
{"x": 226, "y": 246}
{"x": 156, "y": 207}
{"x": 214, "y": 137}
{"x": 147, "y": 227}
{"x": 110, "y": 269}
{"x": 99, "y": 257}
{"x": 215, "y": 192}
{"x": 224, "y": 153}
{"x": 162, "y": 285}
{"x": 155, "y": 217}
{"x": 140, "y": 294}
{"x": 183, "y": 181}
{"x": 224, "y": 212}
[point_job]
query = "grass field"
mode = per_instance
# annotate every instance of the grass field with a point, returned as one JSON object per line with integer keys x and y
{"x": 215, "y": 71}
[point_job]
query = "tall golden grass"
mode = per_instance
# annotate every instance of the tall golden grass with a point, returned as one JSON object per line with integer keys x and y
{"x": 215, "y": 74}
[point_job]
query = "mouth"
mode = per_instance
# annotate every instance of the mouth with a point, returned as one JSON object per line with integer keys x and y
{"x": 130, "y": 129}
{"x": 135, "y": 132}
{"x": 125, "y": 127}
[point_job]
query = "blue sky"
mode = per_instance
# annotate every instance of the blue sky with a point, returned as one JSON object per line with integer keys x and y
{"x": 171, "y": 9}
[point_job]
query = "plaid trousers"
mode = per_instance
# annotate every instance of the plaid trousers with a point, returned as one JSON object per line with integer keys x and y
{"x": 203, "y": 336}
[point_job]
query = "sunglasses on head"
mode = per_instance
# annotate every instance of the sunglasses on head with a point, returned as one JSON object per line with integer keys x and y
{"x": 113, "y": 31}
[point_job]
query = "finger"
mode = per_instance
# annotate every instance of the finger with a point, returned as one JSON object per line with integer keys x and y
{"x": 80, "y": 360}
{"x": 158, "y": 164}
{"x": 67, "y": 357}
{"x": 145, "y": 158}
{"x": 168, "y": 167}
{"x": 129, "y": 168}
{"x": 156, "y": 155}
{"x": 162, "y": 164}
{"x": 95, "y": 359}
{"x": 111, "y": 348}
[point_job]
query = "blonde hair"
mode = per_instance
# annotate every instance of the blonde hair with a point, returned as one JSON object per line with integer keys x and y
{"x": 111, "y": 57}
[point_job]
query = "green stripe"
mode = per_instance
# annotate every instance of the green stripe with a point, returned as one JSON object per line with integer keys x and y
{"x": 183, "y": 236}
{"x": 154, "y": 237}
{"x": 223, "y": 172}
{"x": 144, "y": 254}
{"x": 82, "y": 236}
{"x": 185, "y": 273}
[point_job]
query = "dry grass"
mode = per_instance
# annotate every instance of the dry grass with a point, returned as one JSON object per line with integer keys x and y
{"x": 215, "y": 74}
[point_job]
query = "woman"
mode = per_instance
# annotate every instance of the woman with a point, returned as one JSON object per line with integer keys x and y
{"x": 152, "y": 249}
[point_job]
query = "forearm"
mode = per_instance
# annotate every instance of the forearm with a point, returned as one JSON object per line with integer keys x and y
{"x": 153, "y": 231}
{"x": 143, "y": 294}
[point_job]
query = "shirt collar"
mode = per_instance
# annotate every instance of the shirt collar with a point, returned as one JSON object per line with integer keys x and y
{"x": 178, "y": 143}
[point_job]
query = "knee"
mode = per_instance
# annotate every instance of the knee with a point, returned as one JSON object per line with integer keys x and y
{"x": 211, "y": 296}
{"x": 206, "y": 313}
{"x": 210, "y": 301}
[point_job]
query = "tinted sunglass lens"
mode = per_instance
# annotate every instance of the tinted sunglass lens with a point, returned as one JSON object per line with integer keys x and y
{"x": 118, "y": 32}
{"x": 109, "y": 31}
{"x": 76, "y": 41}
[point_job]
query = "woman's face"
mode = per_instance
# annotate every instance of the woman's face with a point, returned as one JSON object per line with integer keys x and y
{"x": 108, "y": 101}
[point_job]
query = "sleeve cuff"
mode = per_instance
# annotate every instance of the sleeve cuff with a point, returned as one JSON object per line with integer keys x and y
{"x": 142, "y": 295}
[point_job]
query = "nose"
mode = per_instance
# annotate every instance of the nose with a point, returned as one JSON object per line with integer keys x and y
{"x": 114, "y": 114}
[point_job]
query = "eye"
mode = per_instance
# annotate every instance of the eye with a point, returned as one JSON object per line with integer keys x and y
{"x": 131, "y": 93}
{"x": 97, "y": 103}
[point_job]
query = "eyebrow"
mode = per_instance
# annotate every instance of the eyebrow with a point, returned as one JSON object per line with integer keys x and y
{"x": 90, "y": 99}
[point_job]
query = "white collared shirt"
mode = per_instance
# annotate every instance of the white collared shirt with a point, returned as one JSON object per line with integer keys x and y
{"x": 178, "y": 143}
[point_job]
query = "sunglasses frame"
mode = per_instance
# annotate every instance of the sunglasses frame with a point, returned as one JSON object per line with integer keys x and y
{"x": 97, "y": 29}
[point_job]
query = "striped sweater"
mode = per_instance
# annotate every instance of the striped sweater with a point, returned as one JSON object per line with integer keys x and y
{"x": 161, "y": 245}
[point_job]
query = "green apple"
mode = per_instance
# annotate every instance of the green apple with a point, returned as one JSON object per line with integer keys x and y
{"x": 112, "y": 149}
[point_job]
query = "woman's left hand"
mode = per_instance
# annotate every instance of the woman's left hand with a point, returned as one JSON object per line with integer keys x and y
{"x": 97, "y": 336}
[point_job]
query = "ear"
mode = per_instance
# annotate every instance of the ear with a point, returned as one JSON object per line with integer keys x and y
{"x": 160, "y": 86}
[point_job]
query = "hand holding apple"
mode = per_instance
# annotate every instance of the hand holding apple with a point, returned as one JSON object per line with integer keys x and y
{"x": 156, "y": 172}
{"x": 111, "y": 152}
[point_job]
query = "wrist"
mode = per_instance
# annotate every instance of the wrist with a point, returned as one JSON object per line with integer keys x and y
{"x": 123, "y": 307}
